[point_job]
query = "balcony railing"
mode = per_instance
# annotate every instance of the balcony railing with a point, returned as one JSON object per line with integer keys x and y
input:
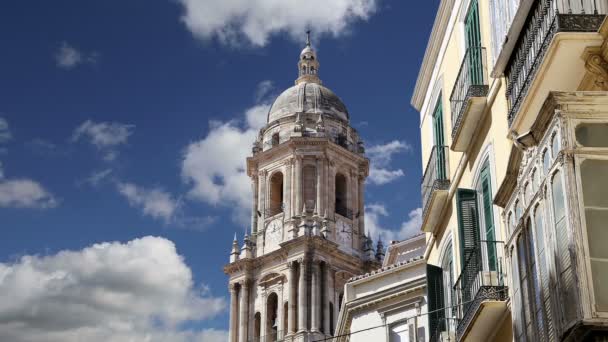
{"x": 481, "y": 279}
{"x": 545, "y": 19}
{"x": 435, "y": 175}
{"x": 472, "y": 81}
{"x": 344, "y": 211}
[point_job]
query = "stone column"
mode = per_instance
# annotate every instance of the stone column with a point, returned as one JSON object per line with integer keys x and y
{"x": 303, "y": 296}
{"x": 361, "y": 205}
{"x": 298, "y": 186}
{"x": 254, "y": 211}
{"x": 287, "y": 190}
{"x": 319, "y": 202}
{"x": 291, "y": 314}
{"x": 244, "y": 306}
{"x": 234, "y": 308}
{"x": 315, "y": 297}
{"x": 326, "y": 291}
{"x": 331, "y": 207}
{"x": 262, "y": 195}
{"x": 263, "y": 315}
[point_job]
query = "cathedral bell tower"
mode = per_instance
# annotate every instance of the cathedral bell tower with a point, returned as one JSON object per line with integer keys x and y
{"x": 308, "y": 172}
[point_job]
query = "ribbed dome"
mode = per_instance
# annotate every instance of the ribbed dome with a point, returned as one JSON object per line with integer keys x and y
{"x": 308, "y": 97}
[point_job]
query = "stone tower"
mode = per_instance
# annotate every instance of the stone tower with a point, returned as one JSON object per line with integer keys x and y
{"x": 308, "y": 172}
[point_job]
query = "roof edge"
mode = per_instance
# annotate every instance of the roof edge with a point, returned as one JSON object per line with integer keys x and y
{"x": 431, "y": 53}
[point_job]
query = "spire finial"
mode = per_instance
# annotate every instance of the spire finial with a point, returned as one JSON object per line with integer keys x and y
{"x": 308, "y": 37}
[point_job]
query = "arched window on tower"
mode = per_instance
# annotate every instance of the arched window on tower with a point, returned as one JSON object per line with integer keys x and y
{"x": 257, "y": 326}
{"x": 309, "y": 175}
{"x": 341, "y": 196}
{"x": 285, "y": 317}
{"x": 276, "y": 194}
{"x": 271, "y": 317}
{"x": 275, "y": 139}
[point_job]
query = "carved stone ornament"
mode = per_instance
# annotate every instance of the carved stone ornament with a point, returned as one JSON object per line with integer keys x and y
{"x": 598, "y": 67}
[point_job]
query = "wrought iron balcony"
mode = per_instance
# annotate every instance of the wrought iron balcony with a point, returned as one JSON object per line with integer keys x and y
{"x": 435, "y": 183}
{"x": 468, "y": 98}
{"x": 545, "y": 19}
{"x": 481, "y": 281}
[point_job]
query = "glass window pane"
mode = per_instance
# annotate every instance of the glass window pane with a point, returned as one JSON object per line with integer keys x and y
{"x": 558, "y": 198}
{"x": 546, "y": 161}
{"x": 595, "y": 182}
{"x": 592, "y": 134}
{"x": 599, "y": 270}
{"x": 555, "y": 145}
{"x": 597, "y": 232}
{"x": 595, "y": 187}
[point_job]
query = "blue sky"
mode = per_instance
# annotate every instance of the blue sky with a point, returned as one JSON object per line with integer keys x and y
{"x": 109, "y": 115}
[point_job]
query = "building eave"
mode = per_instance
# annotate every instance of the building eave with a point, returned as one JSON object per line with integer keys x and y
{"x": 431, "y": 53}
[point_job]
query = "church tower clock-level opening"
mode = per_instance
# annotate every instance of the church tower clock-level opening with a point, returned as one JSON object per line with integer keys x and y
{"x": 308, "y": 171}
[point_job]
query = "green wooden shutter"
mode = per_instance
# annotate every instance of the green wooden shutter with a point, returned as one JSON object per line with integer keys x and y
{"x": 434, "y": 279}
{"x": 486, "y": 192}
{"x": 468, "y": 223}
{"x": 439, "y": 139}
{"x": 473, "y": 44}
{"x": 468, "y": 229}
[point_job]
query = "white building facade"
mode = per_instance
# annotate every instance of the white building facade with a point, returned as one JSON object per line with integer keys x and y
{"x": 388, "y": 304}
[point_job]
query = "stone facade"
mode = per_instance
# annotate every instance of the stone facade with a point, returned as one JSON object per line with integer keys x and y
{"x": 307, "y": 172}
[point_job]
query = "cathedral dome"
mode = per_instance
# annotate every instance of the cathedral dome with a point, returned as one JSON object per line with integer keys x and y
{"x": 308, "y": 97}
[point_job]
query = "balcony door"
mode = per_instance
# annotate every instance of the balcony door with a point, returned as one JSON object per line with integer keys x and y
{"x": 439, "y": 140}
{"x": 473, "y": 44}
{"x": 485, "y": 191}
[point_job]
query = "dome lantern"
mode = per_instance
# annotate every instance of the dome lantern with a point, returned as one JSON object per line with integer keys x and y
{"x": 308, "y": 65}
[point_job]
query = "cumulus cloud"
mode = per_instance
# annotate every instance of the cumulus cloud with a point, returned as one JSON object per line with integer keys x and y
{"x": 381, "y": 157}
{"x": 155, "y": 202}
{"x": 25, "y": 193}
{"x": 69, "y": 57}
{"x": 374, "y": 212}
{"x": 106, "y": 136}
{"x": 5, "y": 133}
{"x": 254, "y": 21}
{"x": 214, "y": 166}
{"x": 136, "y": 291}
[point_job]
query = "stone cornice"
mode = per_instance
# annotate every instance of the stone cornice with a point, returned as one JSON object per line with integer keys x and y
{"x": 431, "y": 53}
{"x": 355, "y": 264}
{"x": 376, "y": 301}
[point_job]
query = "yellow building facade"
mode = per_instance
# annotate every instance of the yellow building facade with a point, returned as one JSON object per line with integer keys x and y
{"x": 513, "y": 109}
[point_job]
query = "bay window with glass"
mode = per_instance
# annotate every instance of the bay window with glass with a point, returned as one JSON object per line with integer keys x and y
{"x": 557, "y": 214}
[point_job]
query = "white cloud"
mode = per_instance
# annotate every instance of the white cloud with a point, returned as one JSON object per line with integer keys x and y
{"x": 97, "y": 177}
{"x": 215, "y": 165}
{"x": 25, "y": 193}
{"x": 154, "y": 202}
{"x": 381, "y": 157}
{"x": 5, "y": 133}
{"x": 106, "y": 136}
{"x": 263, "y": 89}
{"x": 373, "y": 215}
{"x": 383, "y": 176}
{"x": 254, "y": 21}
{"x": 68, "y": 57}
{"x": 136, "y": 291}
